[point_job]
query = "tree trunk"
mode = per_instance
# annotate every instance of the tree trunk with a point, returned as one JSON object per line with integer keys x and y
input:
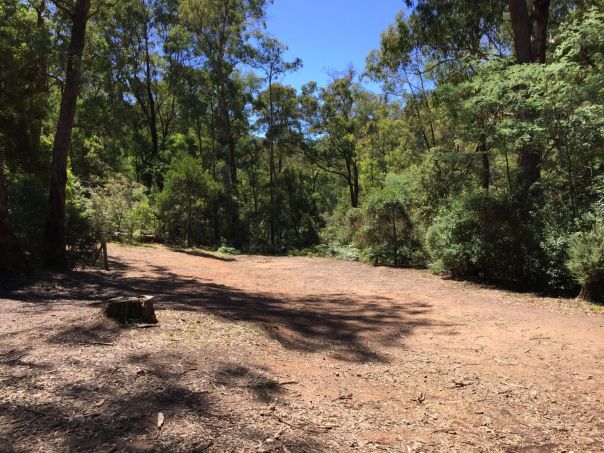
{"x": 395, "y": 238}
{"x": 131, "y": 309}
{"x": 521, "y": 28}
{"x": 271, "y": 161}
{"x": 227, "y": 142}
{"x": 530, "y": 44}
{"x": 11, "y": 258}
{"x": 485, "y": 169}
{"x": 54, "y": 238}
{"x": 355, "y": 185}
{"x": 540, "y": 19}
{"x": 152, "y": 110}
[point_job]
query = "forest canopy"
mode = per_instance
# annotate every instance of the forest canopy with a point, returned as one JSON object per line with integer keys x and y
{"x": 481, "y": 156}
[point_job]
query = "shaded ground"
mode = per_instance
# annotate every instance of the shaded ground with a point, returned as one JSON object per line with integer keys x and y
{"x": 295, "y": 354}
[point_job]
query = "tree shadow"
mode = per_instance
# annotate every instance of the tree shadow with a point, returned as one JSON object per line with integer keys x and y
{"x": 202, "y": 254}
{"x": 89, "y": 332}
{"x": 116, "y": 407}
{"x": 350, "y": 329}
{"x": 120, "y": 411}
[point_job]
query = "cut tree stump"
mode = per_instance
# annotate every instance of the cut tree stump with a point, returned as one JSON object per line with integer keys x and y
{"x": 131, "y": 310}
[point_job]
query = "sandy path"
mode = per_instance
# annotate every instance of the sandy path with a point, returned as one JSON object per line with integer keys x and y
{"x": 321, "y": 355}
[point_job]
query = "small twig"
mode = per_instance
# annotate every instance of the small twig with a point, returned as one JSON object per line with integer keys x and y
{"x": 514, "y": 385}
{"x": 206, "y": 446}
{"x": 343, "y": 397}
{"x": 540, "y": 338}
{"x": 99, "y": 343}
{"x": 287, "y": 423}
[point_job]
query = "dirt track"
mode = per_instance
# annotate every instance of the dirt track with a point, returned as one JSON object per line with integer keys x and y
{"x": 295, "y": 354}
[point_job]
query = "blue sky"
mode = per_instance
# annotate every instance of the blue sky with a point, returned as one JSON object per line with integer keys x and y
{"x": 329, "y": 34}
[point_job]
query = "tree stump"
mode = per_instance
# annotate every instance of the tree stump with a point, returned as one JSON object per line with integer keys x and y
{"x": 131, "y": 310}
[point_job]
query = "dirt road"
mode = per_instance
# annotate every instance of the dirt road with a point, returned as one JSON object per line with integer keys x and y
{"x": 295, "y": 354}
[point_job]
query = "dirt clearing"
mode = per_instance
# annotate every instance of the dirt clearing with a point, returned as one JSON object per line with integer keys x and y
{"x": 295, "y": 354}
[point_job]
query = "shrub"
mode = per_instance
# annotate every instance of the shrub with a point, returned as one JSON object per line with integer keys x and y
{"x": 27, "y": 209}
{"x": 478, "y": 235}
{"x": 342, "y": 225}
{"x": 183, "y": 202}
{"x": 227, "y": 250}
{"x": 116, "y": 204}
{"x": 388, "y": 235}
{"x": 586, "y": 262}
{"x": 83, "y": 224}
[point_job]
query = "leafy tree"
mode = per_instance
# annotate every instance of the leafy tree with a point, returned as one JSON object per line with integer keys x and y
{"x": 269, "y": 59}
{"x": 54, "y": 235}
{"x": 222, "y": 33}
{"x": 388, "y": 234}
{"x": 334, "y": 117}
{"x": 182, "y": 203}
{"x": 586, "y": 262}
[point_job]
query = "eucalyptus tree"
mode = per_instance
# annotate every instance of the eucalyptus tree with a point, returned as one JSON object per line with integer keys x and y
{"x": 145, "y": 52}
{"x": 268, "y": 58}
{"x": 335, "y": 120}
{"x": 78, "y": 14}
{"x": 24, "y": 49}
{"x": 222, "y": 36}
{"x": 278, "y": 117}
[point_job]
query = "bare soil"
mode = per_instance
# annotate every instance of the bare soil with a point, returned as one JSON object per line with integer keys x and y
{"x": 294, "y": 354}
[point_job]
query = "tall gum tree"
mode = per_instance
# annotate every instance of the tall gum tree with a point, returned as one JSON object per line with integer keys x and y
{"x": 442, "y": 32}
{"x": 334, "y": 117}
{"x": 269, "y": 59}
{"x": 54, "y": 234}
{"x": 222, "y": 31}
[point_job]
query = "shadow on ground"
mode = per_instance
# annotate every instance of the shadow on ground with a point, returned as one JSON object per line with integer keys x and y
{"x": 203, "y": 254}
{"x": 108, "y": 402}
{"x": 118, "y": 411}
{"x": 345, "y": 328}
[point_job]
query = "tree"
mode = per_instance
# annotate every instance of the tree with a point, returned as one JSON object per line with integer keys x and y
{"x": 388, "y": 233}
{"x": 22, "y": 40}
{"x": 222, "y": 31}
{"x": 187, "y": 191}
{"x": 334, "y": 118}
{"x": 54, "y": 236}
{"x": 269, "y": 59}
{"x": 146, "y": 53}
{"x": 12, "y": 259}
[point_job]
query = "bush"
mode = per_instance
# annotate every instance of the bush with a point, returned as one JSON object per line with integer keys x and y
{"x": 342, "y": 225}
{"x": 184, "y": 200}
{"x": 83, "y": 224}
{"x": 227, "y": 250}
{"x": 119, "y": 205}
{"x": 546, "y": 264}
{"x": 479, "y": 235}
{"x": 27, "y": 209}
{"x": 388, "y": 235}
{"x": 586, "y": 262}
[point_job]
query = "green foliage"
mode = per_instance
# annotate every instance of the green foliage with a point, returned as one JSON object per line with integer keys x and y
{"x": 342, "y": 225}
{"x": 23, "y": 106}
{"x": 175, "y": 139}
{"x": 388, "y": 235}
{"x": 226, "y": 250}
{"x": 120, "y": 206}
{"x": 27, "y": 211}
{"x": 477, "y": 235}
{"x": 188, "y": 189}
{"x": 336, "y": 250}
{"x": 83, "y": 225}
{"x": 586, "y": 262}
